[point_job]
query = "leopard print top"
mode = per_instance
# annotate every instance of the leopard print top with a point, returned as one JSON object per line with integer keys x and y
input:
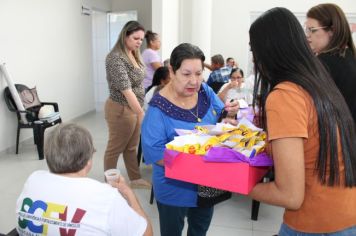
{"x": 122, "y": 75}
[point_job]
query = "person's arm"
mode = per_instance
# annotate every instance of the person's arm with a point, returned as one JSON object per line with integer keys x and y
{"x": 121, "y": 83}
{"x": 208, "y": 66}
{"x": 232, "y": 107}
{"x": 133, "y": 202}
{"x": 156, "y": 65}
{"x": 287, "y": 190}
{"x": 153, "y": 136}
{"x": 226, "y": 87}
{"x": 223, "y": 91}
{"x": 133, "y": 102}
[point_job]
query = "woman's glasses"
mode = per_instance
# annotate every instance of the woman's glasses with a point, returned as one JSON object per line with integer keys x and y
{"x": 312, "y": 30}
{"x": 236, "y": 78}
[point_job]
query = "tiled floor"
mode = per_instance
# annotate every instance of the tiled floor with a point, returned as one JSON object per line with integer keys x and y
{"x": 230, "y": 218}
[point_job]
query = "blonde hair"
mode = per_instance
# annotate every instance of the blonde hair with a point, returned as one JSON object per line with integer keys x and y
{"x": 128, "y": 29}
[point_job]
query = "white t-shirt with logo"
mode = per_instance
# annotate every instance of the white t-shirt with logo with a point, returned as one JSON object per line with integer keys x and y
{"x": 243, "y": 92}
{"x": 52, "y": 204}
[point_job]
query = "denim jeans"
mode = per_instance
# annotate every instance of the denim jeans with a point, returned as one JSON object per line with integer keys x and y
{"x": 171, "y": 220}
{"x": 286, "y": 231}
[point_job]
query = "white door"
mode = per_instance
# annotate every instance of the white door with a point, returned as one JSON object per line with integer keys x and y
{"x": 106, "y": 29}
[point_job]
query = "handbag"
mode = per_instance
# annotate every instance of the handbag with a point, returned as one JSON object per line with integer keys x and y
{"x": 208, "y": 196}
{"x": 29, "y": 98}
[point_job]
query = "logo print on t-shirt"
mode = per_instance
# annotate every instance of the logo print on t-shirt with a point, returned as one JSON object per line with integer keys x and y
{"x": 36, "y": 216}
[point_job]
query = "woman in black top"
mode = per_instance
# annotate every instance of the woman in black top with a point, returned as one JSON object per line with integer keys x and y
{"x": 330, "y": 37}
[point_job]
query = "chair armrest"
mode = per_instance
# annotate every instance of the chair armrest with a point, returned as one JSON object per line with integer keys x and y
{"x": 54, "y": 104}
{"x": 19, "y": 112}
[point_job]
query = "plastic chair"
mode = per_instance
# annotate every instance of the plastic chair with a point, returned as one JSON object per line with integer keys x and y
{"x": 38, "y": 126}
{"x": 13, "y": 232}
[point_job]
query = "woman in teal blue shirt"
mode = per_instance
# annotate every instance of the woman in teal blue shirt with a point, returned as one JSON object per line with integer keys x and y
{"x": 182, "y": 104}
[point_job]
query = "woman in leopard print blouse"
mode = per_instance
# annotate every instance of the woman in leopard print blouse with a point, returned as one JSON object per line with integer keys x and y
{"x": 123, "y": 108}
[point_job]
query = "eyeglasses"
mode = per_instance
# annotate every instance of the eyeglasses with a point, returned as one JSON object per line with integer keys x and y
{"x": 311, "y": 30}
{"x": 235, "y": 78}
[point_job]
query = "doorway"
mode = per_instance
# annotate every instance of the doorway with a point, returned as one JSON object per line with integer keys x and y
{"x": 106, "y": 28}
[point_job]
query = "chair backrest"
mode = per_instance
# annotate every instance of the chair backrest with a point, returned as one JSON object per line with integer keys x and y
{"x": 11, "y": 105}
{"x": 9, "y": 100}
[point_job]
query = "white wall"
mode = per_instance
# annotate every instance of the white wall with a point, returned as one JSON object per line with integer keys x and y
{"x": 166, "y": 22}
{"x": 229, "y": 21}
{"x": 143, "y": 8}
{"x": 230, "y": 25}
{"x": 47, "y": 44}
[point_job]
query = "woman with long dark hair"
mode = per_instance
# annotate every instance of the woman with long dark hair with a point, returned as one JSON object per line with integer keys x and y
{"x": 310, "y": 131}
{"x": 160, "y": 79}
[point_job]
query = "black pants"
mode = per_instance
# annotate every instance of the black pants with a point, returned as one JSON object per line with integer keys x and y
{"x": 171, "y": 219}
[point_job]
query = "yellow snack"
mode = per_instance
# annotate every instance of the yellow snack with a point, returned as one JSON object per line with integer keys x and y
{"x": 191, "y": 148}
{"x": 236, "y": 132}
{"x": 246, "y": 132}
{"x": 200, "y": 152}
{"x": 259, "y": 149}
{"x": 242, "y": 143}
{"x": 174, "y": 148}
{"x": 228, "y": 129}
{"x": 236, "y": 140}
{"x": 259, "y": 139}
{"x": 251, "y": 134}
{"x": 202, "y": 129}
{"x": 243, "y": 128}
{"x": 208, "y": 144}
{"x": 223, "y": 137}
{"x": 242, "y": 139}
{"x": 262, "y": 135}
{"x": 251, "y": 142}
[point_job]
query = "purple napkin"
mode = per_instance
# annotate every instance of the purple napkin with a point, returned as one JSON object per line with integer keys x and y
{"x": 223, "y": 154}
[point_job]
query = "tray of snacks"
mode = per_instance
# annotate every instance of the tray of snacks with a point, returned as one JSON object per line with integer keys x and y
{"x": 223, "y": 156}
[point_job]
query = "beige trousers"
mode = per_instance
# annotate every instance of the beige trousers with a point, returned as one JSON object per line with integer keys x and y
{"x": 124, "y": 135}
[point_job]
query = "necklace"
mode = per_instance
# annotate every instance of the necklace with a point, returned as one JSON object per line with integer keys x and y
{"x": 190, "y": 110}
{"x": 197, "y": 113}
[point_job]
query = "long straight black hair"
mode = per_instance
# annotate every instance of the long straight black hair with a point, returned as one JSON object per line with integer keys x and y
{"x": 282, "y": 53}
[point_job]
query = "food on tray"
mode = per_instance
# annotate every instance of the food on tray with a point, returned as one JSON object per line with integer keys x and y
{"x": 202, "y": 129}
{"x": 213, "y": 141}
{"x": 191, "y": 149}
{"x": 244, "y": 138}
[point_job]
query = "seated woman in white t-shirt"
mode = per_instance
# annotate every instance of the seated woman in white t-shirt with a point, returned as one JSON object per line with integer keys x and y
{"x": 64, "y": 201}
{"x": 236, "y": 88}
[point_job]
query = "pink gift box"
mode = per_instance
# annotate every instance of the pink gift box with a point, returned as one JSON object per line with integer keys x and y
{"x": 234, "y": 177}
